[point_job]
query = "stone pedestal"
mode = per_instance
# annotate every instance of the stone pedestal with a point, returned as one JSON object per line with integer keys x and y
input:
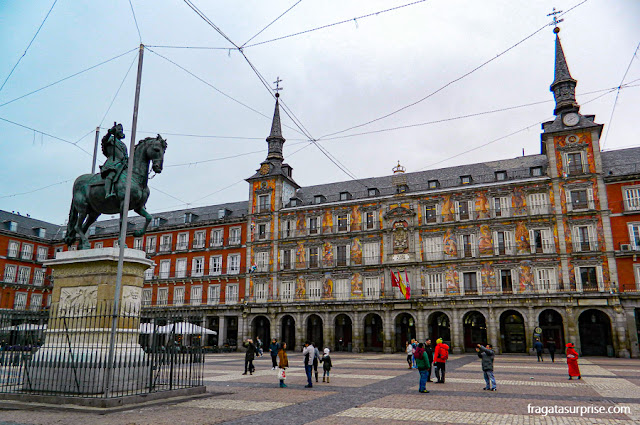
{"x": 75, "y": 355}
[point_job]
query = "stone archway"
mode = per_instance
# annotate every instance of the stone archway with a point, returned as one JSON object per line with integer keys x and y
{"x": 405, "y": 330}
{"x": 439, "y": 326}
{"x": 373, "y": 333}
{"x": 551, "y": 323}
{"x": 512, "y": 333}
{"x": 343, "y": 333}
{"x": 314, "y": 331}
{"x": 475, "y": 330}
{"x": 261, "y": 328}
{"x": 595, "y": 333}
{"x": 288, "y": 331}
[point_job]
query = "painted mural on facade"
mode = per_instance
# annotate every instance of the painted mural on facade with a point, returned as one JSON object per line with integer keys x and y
{"x": 448, "y": 209}
{"x": 356, "y": 251}
{"x": 327, "y": 254}
{"x": 356, "y": 285}
{"x": 400, "y": 237}
{"x": 488, "y": 278}
{"x": 523, "y": 245}
{"x": 327, "y": 286}
{"x": 301, "y": 224}
{"x": 327, "y": 222}
{"x": 356, "y": 218}
{"x": 485, "y": 241}
{"x": 300, "y": 256}
{"x": 263, "y": 186}
{"x": 581, "y": 141}
{"x": 301, "y": 288}
{"x": 526, "y": 276}
{"x": 519, "y": 202}
{"x": 450, "y": 247}
{"x": 451, "y": 280}
{"x": 482, "y": 205}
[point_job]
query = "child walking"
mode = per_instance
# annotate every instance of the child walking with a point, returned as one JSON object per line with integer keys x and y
{"x": 326, "y": 365}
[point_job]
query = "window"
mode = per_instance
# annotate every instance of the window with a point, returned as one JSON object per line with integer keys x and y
{"x": 433, "y": 250}
{"x": 116, "y": 243}
{"x": 148, "y": 274}
{"x": 287, "y": 228}
{"x": 538, "y": 204}
{"x": 216, "y": 237}
{"x": 435, "y": 284}
{"x": 371, "y": 288}
{"x": 574, "y": 163}
{"x": 536, "y": 171}
{"x": 147, "y": 293}
{"x": 286, "y": 259}
{"x": 313, "y": 257}
{"x": 188, "y": 218}
{"x": 313, "y": 225}
{"x": 589, "y": 278}
{"x": 545, "y": 280}
{"x": 465, "y": 179}
{"x": 222, "y": 213}
{"x": 215, "y": 265}
{"x": 373, "y": 192}
{"x": 342, "y": 289}
{"x": 20, "y": 301}
{"x": 634, "y": 236}
{"x": 262, "y": 261}
{"x": 343, "y": 222}
{"x": 10, "y": 271}
{"x": 318, "y": 199}
{"x": 23, "y": 275}
{"x": 196, "y": 295}
{"x": 137, "y": 244}
{"x": 181, "y": 267}
{"x": 43, "y": 252}
{"x": 178, "y": 295}
{"x": 165, "y": 269}
{"x": 163, "y": 296}
{"x": 213, "y": 297}
{"x": 233, "y": 264}
{"x": 467, "y": 243}
{"x": 342, "y": 255}
{"x": 314, "y": 290}
{"x": 371, "y": 253}
{"x": 506, "y": 281}
{"x": 503, "y": 242}
{"x": 345, "y": 196}
{"x": 197, "y": 267}
{"x": 27, "y": 251}
{"x": 433, "y": 184}
{"x": 151, "y": 244}
{"x": 42, "y": 232}
{"x": 234, "y": 236}
{"x": 431, "y": 213}
{"x": 263, "y": 203}
{"x": 286, "y": 291}
{"x": 370, "y": 220}
{"x": 38, "y": 277}
{"x": 541, "y": 241}
{"x": 198, "y": 239}
{"x": 231, "y": 295}
{"x": 463, "y": 210}
{"x": 156, "y": 222}
{"x": 260, "y": 291}
{"x": 402, "y": 188}
{"x": 13, "y": 226}
{"x": 501, "y": 175}
{"x": 13, "y": 249}
{"x": 36, "y": 302}
{"x": 165, "y": 243}
{"x": 470, "y": 283}
{"x": 501, "y": 206}
{"x": 631, "y": 198}
{"x": 581, "y": 199}
{"x": 584, "y": 238}
{"x": 183, "y": 242}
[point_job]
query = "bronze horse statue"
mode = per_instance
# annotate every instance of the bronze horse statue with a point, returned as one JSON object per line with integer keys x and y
{"x": 89, "y": 192}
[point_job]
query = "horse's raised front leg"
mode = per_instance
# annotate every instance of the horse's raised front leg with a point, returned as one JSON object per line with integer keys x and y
{"x": 147, "y": 217}
{"x": 84, "y": 241}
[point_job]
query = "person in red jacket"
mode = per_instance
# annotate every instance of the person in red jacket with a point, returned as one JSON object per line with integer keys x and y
{"x": 572, "y": 361}
{"x": 440, "y": 356}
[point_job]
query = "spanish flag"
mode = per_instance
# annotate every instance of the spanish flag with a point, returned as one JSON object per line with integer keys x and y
{"x": 398, "y": 282}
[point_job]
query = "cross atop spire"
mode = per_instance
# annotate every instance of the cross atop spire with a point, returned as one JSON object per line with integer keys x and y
{"x": 555, "y": 21}
{"x": 278, "y": 88}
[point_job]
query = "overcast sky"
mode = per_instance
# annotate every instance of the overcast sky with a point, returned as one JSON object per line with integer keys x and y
{"x": 334, "y": 79}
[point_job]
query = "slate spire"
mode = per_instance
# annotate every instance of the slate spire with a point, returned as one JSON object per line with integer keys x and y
{"x": 563, "y": 86}
{"x": 275, "y": 139}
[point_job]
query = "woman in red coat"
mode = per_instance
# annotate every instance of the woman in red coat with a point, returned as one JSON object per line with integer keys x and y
{"x": 572, "y": 362}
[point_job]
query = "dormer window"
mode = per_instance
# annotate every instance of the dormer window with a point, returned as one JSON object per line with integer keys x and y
{"x": 12, "y": 226}
{"x": 465, "y": 179}
{"x": 189, "y": 218}
{"x": 433, "y": 184}
{"x": 536, "y": 171}
{"x": 318, "y": 199}
{"x": 372, "y": 191}
{"x": 294, "y": 202}
{"x": 222, "y": 213}
{"x": 345, "y": 196}
{"x": 41, "y": 232}
{"x": 92, "y": 230}
{"x": 402, "y": 188}
{"x": 500, "y": 176}
{"x": 157, "y": 221}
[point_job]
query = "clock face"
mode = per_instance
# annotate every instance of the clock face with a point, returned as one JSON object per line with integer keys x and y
{"x": 288, "y": 192}
{"x": 264, "y": 169}
{"x": 571, "y": 119}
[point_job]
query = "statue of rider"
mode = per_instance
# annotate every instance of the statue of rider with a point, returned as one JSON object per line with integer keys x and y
{"x": 116, "y": 152}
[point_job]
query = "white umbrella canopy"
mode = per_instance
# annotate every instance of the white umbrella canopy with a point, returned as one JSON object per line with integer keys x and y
{"x": 184, "y": 328}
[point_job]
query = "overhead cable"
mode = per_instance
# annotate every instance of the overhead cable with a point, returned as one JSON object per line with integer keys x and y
{"x": 136, "y": 21}
{"x": 271, "y": 23}
{"x": 46, "y": 134}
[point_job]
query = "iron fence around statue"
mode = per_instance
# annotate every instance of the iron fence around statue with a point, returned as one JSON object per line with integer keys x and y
{"x": 65, "y": 351}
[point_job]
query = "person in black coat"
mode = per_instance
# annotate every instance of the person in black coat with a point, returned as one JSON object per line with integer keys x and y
{"x": 428, "y": 348}
{"x": 249, "y": 356}
{"x": 551, "y": 345}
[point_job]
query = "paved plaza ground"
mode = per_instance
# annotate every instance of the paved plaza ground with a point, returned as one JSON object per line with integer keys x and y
{"x": 380, "y": 389}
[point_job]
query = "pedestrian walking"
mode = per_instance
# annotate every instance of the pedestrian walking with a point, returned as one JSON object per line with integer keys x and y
{"x": 258, "y": 346}
{"x": 273, "y": 350}
{"x": 308, "y": 352}
{"x": 538, "y": 347}
{"x": 249, "y": 356}
{"x": 428, "y": 348}
{"x": 422, "y": 362}
{"x": 326, "y": 365}
{"x": 283, "y": 363}
{"x": 551, "y": 345}
{"x": 414, "y": 345}
{"x": 409, "y": 350}
{"x": 487, "y": 355}
{"x": 441, "y": 354}
{"x": 316, "y": 359}
{"x": 572, "y": 361}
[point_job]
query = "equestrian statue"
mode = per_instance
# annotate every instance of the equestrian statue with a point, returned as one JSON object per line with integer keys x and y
{"x": 103, "y": 193}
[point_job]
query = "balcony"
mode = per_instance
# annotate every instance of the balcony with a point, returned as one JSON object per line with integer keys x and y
{"x": 182, "y": 246}
{"x": 234, "y": 242}
{"x": 586, "y": 246}
{"x": 198, "y": 244}
{"x": 165, "y": 248}
{"x": 216, "y": 243}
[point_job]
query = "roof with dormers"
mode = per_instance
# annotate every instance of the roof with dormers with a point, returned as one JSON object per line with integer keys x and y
{"x": 27, "y": 226}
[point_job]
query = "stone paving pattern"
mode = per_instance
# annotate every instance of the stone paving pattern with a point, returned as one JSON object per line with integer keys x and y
{"x": 380, "y": 389}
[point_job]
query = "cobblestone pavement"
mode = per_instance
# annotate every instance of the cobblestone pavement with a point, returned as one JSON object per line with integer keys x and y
{"x": 380, "y": 389}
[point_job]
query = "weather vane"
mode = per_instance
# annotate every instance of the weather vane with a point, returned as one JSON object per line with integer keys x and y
{"x": 278, "y": 88}
{"x": 555, "y": 21}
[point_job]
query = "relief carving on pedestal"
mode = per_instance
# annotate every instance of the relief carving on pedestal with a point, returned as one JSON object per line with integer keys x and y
{"x": 75, "y": 300}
